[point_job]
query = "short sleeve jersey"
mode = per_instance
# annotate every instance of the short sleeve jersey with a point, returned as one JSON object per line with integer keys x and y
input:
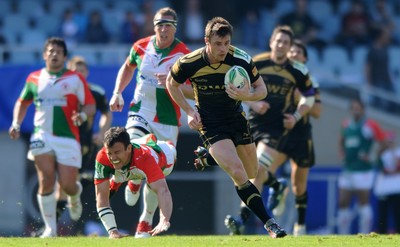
{"x": 358, "y": 140}
{"x": 150, "y": 97}
{"x": 212, "y": 102}
{"x": 56, "y": 96}
{"x": 147, "y": 162}
{"x": 281, "y": 81}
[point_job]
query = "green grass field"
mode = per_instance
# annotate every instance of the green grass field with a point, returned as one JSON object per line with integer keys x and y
{"x": 209, "y": 241}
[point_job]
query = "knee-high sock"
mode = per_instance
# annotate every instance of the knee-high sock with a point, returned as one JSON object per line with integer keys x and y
{"x": 365, "y": 219}
{"x": 249, "y": 194}
{"x": 272, "y": 182}
{"x": 47, "y": 205}
{"x": 150, "y": 205}
{"x": 301, "y": 205}
{"x": 344, "y": 221}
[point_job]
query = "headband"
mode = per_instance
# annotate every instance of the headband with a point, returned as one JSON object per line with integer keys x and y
{"x": 164, "y": 21}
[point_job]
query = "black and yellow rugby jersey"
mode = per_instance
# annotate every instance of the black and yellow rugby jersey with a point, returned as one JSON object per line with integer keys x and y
{"x": 281, "y": 81}
{"x": 212, "y": 102}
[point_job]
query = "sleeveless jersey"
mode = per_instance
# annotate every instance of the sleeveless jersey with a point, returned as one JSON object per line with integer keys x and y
{"x": 149, "y": 97}
{"x": 56, "y": 96}
{"x": 281, "y": 81}
{"x": 212, "y": 102}
{"x": 148, "y": 162}
{"x": 358, "y": 140}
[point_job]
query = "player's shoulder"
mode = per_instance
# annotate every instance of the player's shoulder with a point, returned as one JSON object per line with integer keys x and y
{"x": 238, "y": 53}
{"x": 181, "y": 46}
{"x": 262, "y": 56}
{"x": 34, "y": 76}
{"x": 299, "y": 66}
{"x": 192, "y": 56}
{"x": 102, "y": 158}
{"x": 345, "y": 123}
{"x": 143, "y": 41}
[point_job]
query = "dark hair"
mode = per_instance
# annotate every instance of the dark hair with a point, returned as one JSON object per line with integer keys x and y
{"x": 56, "y": 41}
{"x": 357, "y": 100}
{"x": 283, "y": 29}
{"x": 166, "y": 11}
{"x": 302, "y": 46}
{"x": 116, "y": 134}
{"x": 218, "y": 26}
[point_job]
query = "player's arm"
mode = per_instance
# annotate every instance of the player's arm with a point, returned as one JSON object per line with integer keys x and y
{"x": 176, "y": 93}
{"x": 165, "y": 204}
{"x": 19, "y": 113}
{"x": 104, "y": 210}
{"x": 124, "y": 77}
{"x": 259, "y": 90}
{"x": 187, "y": 91}
{"x": 104, "y": 124}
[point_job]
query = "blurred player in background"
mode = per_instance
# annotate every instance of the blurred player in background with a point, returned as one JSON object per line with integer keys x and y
{"x": 122, "y": 160}
{"x": 300, "y": 148}
{"x": 151, "y": 109}
{"x": 90, "y": 141}
{"x": 219, "y": 115}
{"x": 271, "y": 121}
{"x": 358, "y": 135}
{"x": 62, "y": 102}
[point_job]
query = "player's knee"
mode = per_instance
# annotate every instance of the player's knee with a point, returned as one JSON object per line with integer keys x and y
{"x": 265, "y": 159}
{"x": 135, "y": 133}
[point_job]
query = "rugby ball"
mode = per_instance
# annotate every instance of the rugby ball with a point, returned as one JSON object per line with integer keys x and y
{"x": 236, "y": 76}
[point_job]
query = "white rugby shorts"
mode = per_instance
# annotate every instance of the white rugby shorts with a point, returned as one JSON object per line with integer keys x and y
{"x": 66, "y": 150}
{"x": 357, "y": 180}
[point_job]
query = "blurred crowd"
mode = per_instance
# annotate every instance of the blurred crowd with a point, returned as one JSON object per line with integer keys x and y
{"x": 317, "y": 22}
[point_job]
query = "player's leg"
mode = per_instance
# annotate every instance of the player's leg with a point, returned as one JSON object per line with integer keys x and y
{"x": 277, "y": 187}
{"x": 364, "y": 211}
{"x": 69, "y": 160}
{"x": 150, "y": 199}
{"x": 345, "y": 215}
{"x": 73, "y": 188}
{"x": 226, "y": 155}
{"x": 299, "y": 178}
{"x": 137, "y": 126}
{"x": 46, "y": 170}
{"x": 365, "y": 181}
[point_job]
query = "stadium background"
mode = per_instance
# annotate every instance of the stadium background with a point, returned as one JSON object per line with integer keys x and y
{"x": 201, "y": 200}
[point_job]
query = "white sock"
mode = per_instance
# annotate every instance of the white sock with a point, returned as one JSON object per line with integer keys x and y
{"x": 47, "y": 205}
{"x": 74, "y": 198}
{"x": 344, "y": 221}
{"x": 365, "y": 219}
{"x": 150, "y": 205}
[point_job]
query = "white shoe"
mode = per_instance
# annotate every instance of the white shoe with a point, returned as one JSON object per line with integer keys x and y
{"x": 48, "y": 233}
{"x": 299, "y": 230}
{"x": 130, "y": 197}
{"x": 75, "y": 209}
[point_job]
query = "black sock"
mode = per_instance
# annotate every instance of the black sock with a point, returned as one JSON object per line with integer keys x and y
{"x": 249, "y": 194}
{"x": 272, "y": 182}
{"x": 301, "y": 205}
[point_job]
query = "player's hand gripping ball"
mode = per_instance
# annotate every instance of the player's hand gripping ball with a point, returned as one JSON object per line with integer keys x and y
{"x": 236, "y": 76}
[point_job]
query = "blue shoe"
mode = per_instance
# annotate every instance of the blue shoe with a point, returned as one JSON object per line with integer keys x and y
{"x": 276, "y": 198}
{"x": 235, "y": 225}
